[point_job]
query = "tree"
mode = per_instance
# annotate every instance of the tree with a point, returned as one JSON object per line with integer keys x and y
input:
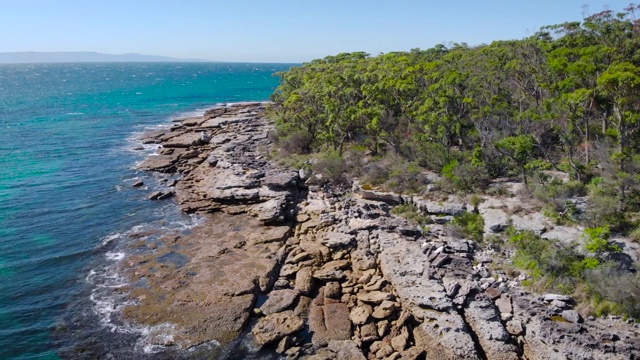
{"x": 521, "y": 149}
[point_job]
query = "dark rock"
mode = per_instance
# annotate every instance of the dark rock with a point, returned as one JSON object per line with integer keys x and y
{"x": 160, "y": 195}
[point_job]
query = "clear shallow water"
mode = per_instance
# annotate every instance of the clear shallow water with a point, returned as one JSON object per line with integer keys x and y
{"x": 66, "y": 169}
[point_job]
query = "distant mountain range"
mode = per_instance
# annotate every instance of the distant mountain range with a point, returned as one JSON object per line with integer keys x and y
{"x": 85, "y": 56}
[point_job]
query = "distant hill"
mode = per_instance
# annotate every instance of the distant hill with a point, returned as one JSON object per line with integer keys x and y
{"x": 85, "y": 56}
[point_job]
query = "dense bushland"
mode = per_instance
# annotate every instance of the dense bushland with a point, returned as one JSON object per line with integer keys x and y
{"x": 565, "y": 99}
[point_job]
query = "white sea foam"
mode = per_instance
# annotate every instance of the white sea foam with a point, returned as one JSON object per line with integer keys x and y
{"x": 110, "y": 238}
{"x": 114, "y": 256}
{"x": 108, "y": 302}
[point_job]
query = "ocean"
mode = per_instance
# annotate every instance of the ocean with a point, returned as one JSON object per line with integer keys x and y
{"x": 67, "y": 204}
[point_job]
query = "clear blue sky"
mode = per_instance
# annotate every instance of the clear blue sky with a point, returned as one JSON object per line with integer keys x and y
{"x": 273, "y": 30}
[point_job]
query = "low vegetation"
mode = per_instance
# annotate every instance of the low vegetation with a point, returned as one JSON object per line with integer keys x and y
{"x": 601, "y": 284}
{"x": 565, "y": 100}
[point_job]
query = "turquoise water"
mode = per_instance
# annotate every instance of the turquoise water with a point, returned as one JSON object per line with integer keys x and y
{"x": 66, "y": 167}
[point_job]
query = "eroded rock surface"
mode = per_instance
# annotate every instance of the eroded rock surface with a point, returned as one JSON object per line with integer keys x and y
{"x": 342, "y": 277}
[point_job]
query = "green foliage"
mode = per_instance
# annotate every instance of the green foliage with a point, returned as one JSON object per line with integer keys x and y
{"x": 411, "y": 213}
{"x": 470, "y": 224}
{"x": 393, "y": 173}
{"x": 561, "y": 268}
{"x": 634, "y": 234}
{"x": 557, "y": 267}
{"x": 615, "y": 290}
{"x": 332, "y": 168}
{"x": 465, "y": 177}
{"x": 566, "y": 98}
{"x": 598, "y": 241}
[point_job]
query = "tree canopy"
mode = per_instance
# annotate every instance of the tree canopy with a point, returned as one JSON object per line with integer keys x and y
{"x": 566, "y": 98}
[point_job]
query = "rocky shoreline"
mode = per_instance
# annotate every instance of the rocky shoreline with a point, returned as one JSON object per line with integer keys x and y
{"x": 309, "y": 273}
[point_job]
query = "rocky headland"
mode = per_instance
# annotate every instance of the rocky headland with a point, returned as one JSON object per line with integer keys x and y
{"x": 305, "y": 271}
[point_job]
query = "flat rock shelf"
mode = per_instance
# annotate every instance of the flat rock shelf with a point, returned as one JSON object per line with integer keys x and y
{"x": 305, "y": 272}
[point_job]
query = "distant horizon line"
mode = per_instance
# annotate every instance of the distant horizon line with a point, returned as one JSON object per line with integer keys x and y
{"x": 51, "y": 57}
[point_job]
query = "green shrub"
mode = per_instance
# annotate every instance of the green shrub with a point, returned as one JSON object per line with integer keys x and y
{"x": 395, "y": 174}
{"x": 615, "y": 290}
{"x": 411, "y": 213}
{"x": 598, "y": 241}
{"x": 634, "y": 234}
{"x": 465, "y": 177}
{"x": 556, "y": 195}
{"x": 470, "y": 224}
{"x": 298, "y": 142}
{"x": 332, "y": 167}
{"x": 405, "y": 177}
{"x": 558, "y": 267}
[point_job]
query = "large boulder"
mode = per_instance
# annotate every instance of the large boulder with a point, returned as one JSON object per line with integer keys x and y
{"x": 484, "y": 320}
{"x": 279, "y": 300}
{"x": 274, "y": 327}
{"x": 328, "y": 321}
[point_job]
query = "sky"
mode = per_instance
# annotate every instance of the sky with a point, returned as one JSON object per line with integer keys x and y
{"x": 274, "y": 30}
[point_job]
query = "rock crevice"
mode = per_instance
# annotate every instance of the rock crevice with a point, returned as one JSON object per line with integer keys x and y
{"x": 342, "y": 277}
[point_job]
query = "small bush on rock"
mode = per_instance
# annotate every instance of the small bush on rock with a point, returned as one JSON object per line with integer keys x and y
{"x": 471, "y": 225}
{"x": 411, "y": 213}
{"x": 332, "y": 168}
